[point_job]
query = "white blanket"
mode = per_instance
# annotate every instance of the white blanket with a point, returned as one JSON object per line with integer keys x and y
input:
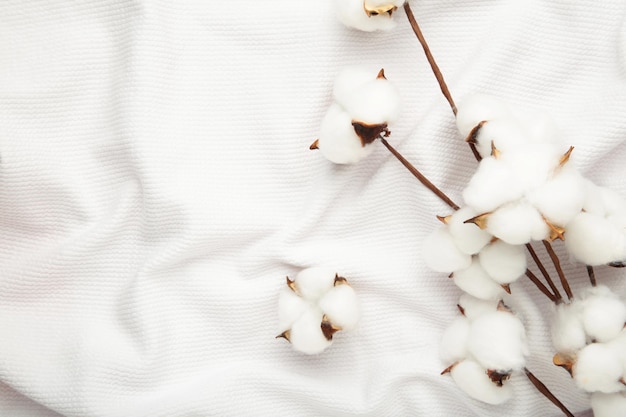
{"x": 156, "y": 187}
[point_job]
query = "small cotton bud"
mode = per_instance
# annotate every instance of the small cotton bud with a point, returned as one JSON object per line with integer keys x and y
{"x": 504, "y": 133}
{"x": 603, "y": 314}
{"x": 472, "y": 378}
{"x": 597, "y": 368}
{"x": 568, "y": 333}
{"x": 497, "y": 340}
{"x": 312, "y": 283}
{"x": 474, "y": 307}
{"x": 476, "y": 282}
{"x": 594, "y": 240}
{"x": 467, "y": 237}
{"x": 453, "y": 346}
{"x": 492, "y": 185}
{"x": 476, "y": 108}
{"x": 561, "y": 197}
{"x": 517, "y": 223}
{"x": 503, "y": 262}
{"x": 341, "y": 306}
{"x": 306, "y": 334}
{"x": 368, "y": 15}
{"x": 441, "y": 254}
{"x": 338, "y": 141}
{"x": 608, "y": 405}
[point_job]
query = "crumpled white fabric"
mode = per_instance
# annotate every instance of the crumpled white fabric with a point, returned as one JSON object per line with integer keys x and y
{"x": 156, "y": 187}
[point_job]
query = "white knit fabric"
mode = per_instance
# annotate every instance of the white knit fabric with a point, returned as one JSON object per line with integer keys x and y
{"x": 156, "y": 187}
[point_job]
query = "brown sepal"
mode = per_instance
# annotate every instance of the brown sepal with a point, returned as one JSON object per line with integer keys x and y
{"x": 556, "y": 232}
{"x": 480, "y": 220}
{"x": 448, "y": 369}
{"x": 461, "y": 309}
{"x": 339, "y": 281}
{"x": 506, "y": 287}
{"x": 285, "y": 335}
{"x": 444, "y": 220}
{"x": 473, "y": 134}
{"x": 328, "y": 328}
{"x": 369, "y": 133}
{"x": 497, "y": 377}
{"x": 292, "y": 285}
{"x": 566, "y": 157}
{"x": 382, "y": 9}
{"x": 381, "y": 74}
{"x": 564, "y": 361}
{"x": 314, "y": 145}
{"x": 495, "y": 152}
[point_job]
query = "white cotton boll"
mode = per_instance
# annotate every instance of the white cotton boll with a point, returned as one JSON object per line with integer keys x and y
{"x": 441, "y": 254}
{"x": 376, "y": 102}
{"x": 350, "y": 80}
{"x": 473, "y": 109}
{"x": 290, "y": 308}
{"x": 468, "y": 237}
{"x": 603, "y": 317}
{"x": 517, "y": 223}
{"x": 492, "y": 185}
{"x": 312, "y": 283}
{"x": 475, "y": 307}
{"x": 306, "y": 333}
{"x": 497, "y": 341}
{"x": 561, "y": 197}
{"x": 338, "y": 141}
{"x": 503, "y": 262}
{"x": 540, "y": 127}
{"x": 476, "y": 282}
{"x": 594, "y": 240}
{"x": 532, "y": 164}
{"x": 597, "y": 368}
{"x": 613, "y": 202}
{"x": 453, "y": 346}
{"x": 341, "y": 306}
{"x": 470, "y": 377}
{"x": 352, "y": 14}
{"x": 608, "y": 405}
{"x": 568, "y": 333}
{"x": 505, "y": 133}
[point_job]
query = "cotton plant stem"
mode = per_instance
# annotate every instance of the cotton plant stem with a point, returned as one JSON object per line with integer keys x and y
{"x": 559, "y": 270}
{"x": 592, "y": 275}
{"x": 417, "y": 174}
{"x": 544, "y": 272}
{"x": 540, "y": 286}
{"x": 546, "y": 393}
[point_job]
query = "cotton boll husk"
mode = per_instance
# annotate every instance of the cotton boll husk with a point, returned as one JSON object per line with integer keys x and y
{"x": 505, "y": 133}
{"x": 338, "y": 141}
{"x": 312, "y": 283}
{"x": 608, "y": 405}
{"x": 341, "y": 306}
{"x": 503, "y": 262}
{"x": 475, "y": 307}
{"x": 603, "y": 317}
{"x": 492, "y": 185}
{"x": 472, "y": 378}
{"x": 517, "y": 223}
{"x": 473, "y": 109}
{"x": 306, "y": 334}
{"x": 441, "y": 254}
{"x": 290, "y": 308}
{"x": 476, "y": 282}
{"x": 468, "y": 237}
{"x": 561, "y": 197}
{"x": 350, "y": 80}
{"x": 352, "y": 14}
{"x": 568, "y": 333}
{"x": 598, "y": 368}
{"x": 497, "y": 340}
{"x": 594, "y": 240}
{"x": 532, "y": 164}
{"x": 453, "y": 346}
{"x": 376, "y": 102}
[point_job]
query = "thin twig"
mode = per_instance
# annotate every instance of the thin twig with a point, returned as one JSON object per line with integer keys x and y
{"x": 592, "y": 275}
{"x": 432, "y": 187}
{"x": 559, "y": 270}
{"x": 429, "y": 57}
{"x": 540, "y": 286}
{"x": 544, "y": 272}
{"x": 546, "y": 393}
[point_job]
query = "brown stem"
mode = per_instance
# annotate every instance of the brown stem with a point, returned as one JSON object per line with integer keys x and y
{"x": 540, "y": 286}
{"x": 432, "y": 187}
{"x": 559, "y": 270}
{"x": 429, "y": 57}
{"x": 546, "y": 393}
{"x": 544, "y": 272}
{"x": 592, "y": 275}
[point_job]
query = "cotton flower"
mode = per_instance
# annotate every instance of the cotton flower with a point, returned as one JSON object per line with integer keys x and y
{"x": 364, "y": 107}
{"x": 597, "y": 369}
{"x": 313, "y": 307}
{"x": 368, "y": 15}
{"x": 441, "y": 254}
{"x": 475, "y": 382}
{"x": 475, "y": 281}
{"x": 503, "y": 262}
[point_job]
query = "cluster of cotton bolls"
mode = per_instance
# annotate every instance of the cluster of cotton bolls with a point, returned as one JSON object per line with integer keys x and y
{"x": 313, "y": 307}
{"x": 483, "y": 348}
{"x": 589, "y": 337}
{"x": 368, "y": 15}
{"x": 364, "y": 106}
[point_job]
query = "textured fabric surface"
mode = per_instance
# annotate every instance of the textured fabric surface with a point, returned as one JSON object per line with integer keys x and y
{"x": 156, "y": 187}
